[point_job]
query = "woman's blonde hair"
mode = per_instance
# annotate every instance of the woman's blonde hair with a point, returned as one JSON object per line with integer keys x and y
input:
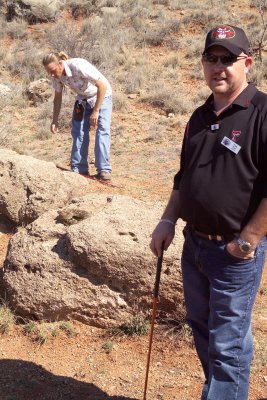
{"x": 54, "y": 57}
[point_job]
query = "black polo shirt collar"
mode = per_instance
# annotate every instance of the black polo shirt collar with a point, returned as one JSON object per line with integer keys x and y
{"x": 242, "y": 100}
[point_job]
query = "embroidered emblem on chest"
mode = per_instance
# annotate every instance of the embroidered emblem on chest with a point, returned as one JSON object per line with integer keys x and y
{"x": 235, "y": 135}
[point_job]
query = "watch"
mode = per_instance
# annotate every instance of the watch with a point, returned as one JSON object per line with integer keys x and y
{"x": 244, "y": 246}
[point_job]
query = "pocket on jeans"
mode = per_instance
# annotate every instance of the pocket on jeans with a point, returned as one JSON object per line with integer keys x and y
{"x": 263, "y": 244}
{"x": 239, "y": 260}
{"x": 78, "y": 111}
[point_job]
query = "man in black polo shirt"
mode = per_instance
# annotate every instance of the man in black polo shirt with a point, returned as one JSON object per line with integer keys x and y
{"x": 221, "y": 193}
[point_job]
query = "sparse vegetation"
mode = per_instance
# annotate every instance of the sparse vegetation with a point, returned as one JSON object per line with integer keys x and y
{"x": 149, "y": 49}
{"x": 137, "y": 325}
{"x": 17, "y": 29}
{"x": 108, "y": 346}
{"x": 260, "y": 38}
{"x": 122, "y": 39}
{"x": 40, "y": 331}
{"x": 67, "y": 327}
{"x": 7, "y": 318}
{"x": 179, "y": 332}
{"x": 261, "y": 360}
{"x": 163, "y": 98}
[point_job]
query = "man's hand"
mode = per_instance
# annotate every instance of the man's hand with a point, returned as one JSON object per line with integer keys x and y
{"x": 54, "y": 127}
{"x": 164, "y": 232}
{"x": 94, "y": 118}
{"x": 233, "y": 249}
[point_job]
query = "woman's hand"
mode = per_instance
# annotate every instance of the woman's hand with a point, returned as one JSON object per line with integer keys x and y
{"x": 94, "y": 118}
{"x": 54, "y": 127}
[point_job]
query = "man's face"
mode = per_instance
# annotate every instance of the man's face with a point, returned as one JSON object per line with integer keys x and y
{"x": 226, "y": 79}
{"x": 55, "y": 69}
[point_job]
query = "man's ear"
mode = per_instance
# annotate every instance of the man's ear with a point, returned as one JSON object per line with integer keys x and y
{"x": 248, "y": 64}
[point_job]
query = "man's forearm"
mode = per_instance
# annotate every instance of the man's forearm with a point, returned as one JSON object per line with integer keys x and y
{"x": 57, "y": 107}
{"x": 256, "y": 228}
{"x": 165, "y": 229}
{"x": 172, "y": 209}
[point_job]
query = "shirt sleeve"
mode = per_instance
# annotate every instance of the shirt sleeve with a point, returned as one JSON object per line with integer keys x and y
{"x": 56, "y": 84}
{"x": 88, "y": 71}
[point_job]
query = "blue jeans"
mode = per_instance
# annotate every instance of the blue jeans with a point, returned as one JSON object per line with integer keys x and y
{"x": 80, "y": 139}
{"x": 219, "y": 292}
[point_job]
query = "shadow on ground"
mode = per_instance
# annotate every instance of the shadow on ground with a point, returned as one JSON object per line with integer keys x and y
{"x": 23, "y": 380}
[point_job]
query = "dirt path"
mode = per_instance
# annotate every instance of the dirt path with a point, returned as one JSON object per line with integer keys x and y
{"x": 93, "y": 365}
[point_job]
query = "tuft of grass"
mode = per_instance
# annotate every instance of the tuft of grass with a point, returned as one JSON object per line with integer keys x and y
{"x": 108, "y": 346}
{"x": 24, "y": 63}
{"x": 44, "y": 132}
{"x": 17, "y": 29}
{"x": 137, "y": 325}
{"x": 29, "y": 328}
{"x": 119, "y": 102}
{"x": 67, "y": 327}
{"x": 37, "y": 331}
{"x": 178, "y": 331}
{"x": 82, "y": 8}
{"x": 41, "y": 335}
{"x": 162, "y": 97}
{"x": 172, "y": 61}
{"x": 40, "y": 332}
{"x": 263, "y": 290}
{"x": 7, "y": 318}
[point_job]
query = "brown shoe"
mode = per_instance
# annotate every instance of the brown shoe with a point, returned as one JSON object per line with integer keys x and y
{"x": 104, "y": 175}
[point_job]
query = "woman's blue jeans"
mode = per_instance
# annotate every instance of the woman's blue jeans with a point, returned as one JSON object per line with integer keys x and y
{"x": 81, "y": 138}
{"x": 219, "y": 292}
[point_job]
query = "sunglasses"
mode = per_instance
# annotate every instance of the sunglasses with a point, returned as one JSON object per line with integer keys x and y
{"x": 227, "y": 59}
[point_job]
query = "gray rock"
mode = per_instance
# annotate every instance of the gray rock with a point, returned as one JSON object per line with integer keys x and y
{"x": 29, "y": 187}
{"x": 98, "y": 270}
{"x": 33, "y": 10}
{"x": 39, "y": 91}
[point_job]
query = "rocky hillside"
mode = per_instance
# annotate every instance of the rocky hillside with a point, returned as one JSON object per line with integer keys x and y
{"x": 150, "y": 52}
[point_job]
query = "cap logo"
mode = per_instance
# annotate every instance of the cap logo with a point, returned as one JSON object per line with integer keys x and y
{"x": 223, "y": 32}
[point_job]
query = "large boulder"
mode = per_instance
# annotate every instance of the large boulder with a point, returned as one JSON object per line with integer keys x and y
{"x": 29, "y": 187}
{"x": 33, "y": 11}
{"x": 39, "y": 91}
{"x": 91, "y": 261}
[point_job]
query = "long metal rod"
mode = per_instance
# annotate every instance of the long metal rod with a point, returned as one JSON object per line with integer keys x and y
{"x": 155, "y": 300}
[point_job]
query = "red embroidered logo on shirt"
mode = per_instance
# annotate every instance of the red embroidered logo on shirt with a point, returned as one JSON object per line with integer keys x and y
{"x": 235, "y": 135}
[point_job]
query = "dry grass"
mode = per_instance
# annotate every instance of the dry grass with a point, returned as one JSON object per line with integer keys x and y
{"x": 42, "y": 331}
{"x": 7, "y": 318}
{"x": 163, "y": 97}
{"x": 146, "y": 47}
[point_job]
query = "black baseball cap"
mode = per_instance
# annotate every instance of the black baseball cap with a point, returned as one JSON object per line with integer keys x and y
{"x": 230, "y": 37}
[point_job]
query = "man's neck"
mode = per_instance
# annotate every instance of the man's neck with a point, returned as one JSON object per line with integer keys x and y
{"x": 221, "y": 101}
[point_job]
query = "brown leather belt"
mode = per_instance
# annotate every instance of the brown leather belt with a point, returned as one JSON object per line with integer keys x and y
{"x": 226, "y": 237}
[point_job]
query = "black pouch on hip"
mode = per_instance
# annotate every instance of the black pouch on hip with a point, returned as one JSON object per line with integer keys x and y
{"x": 78, "y": 111}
